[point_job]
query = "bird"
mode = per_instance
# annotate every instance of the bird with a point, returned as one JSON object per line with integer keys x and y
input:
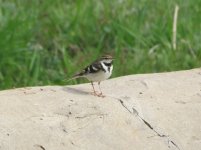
{"x": 98, "y": 71}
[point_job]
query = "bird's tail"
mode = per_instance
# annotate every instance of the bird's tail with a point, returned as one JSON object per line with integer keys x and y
{"x": 74, "y": 77}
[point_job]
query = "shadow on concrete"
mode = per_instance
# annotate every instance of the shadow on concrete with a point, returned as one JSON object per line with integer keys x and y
{"x": 75, "y": 91}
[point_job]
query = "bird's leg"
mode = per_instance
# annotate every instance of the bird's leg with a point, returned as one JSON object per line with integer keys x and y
{"x": 101, "y": 94}
{"x": 94, "y": 92}
{"x": 99, "y": 88}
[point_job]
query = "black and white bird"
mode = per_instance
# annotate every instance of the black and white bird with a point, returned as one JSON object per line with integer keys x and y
{"x": 98, "y": 71}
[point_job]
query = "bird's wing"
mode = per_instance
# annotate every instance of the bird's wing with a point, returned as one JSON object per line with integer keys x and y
{"x": 93, "y": 68}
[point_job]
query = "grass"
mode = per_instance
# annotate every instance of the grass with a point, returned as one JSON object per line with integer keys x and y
{"x": 43, "y": 42}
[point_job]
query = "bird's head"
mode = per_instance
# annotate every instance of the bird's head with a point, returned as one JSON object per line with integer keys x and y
{"x": 107, "y": 59}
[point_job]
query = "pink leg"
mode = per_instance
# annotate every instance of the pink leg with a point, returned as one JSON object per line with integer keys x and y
{"x": 94, "y": 92}
{"x": 101, "y": 93}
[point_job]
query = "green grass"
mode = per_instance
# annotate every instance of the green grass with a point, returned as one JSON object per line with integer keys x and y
{"x": 43, "y": 42}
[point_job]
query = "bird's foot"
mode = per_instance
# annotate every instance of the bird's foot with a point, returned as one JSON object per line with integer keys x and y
{"x": 94, "y": 93}
{"x": 101, "y": 95}
{"x": 97, "y": 94}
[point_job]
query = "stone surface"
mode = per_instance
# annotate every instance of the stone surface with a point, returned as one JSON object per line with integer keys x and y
{"x": 140, "y": 112}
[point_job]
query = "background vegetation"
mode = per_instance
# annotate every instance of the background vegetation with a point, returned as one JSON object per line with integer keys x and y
{"x": 44, "y": 41}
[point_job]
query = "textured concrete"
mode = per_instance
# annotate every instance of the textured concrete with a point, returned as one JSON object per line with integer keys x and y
{"x": 140, "y": 112}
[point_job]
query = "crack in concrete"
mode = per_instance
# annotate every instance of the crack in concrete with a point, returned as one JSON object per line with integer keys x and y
{"x": 90, "y": 115}
{"x": 158, "y": 134}
{"x": 40, "y": 146}
{"x": 148, "y": 124}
